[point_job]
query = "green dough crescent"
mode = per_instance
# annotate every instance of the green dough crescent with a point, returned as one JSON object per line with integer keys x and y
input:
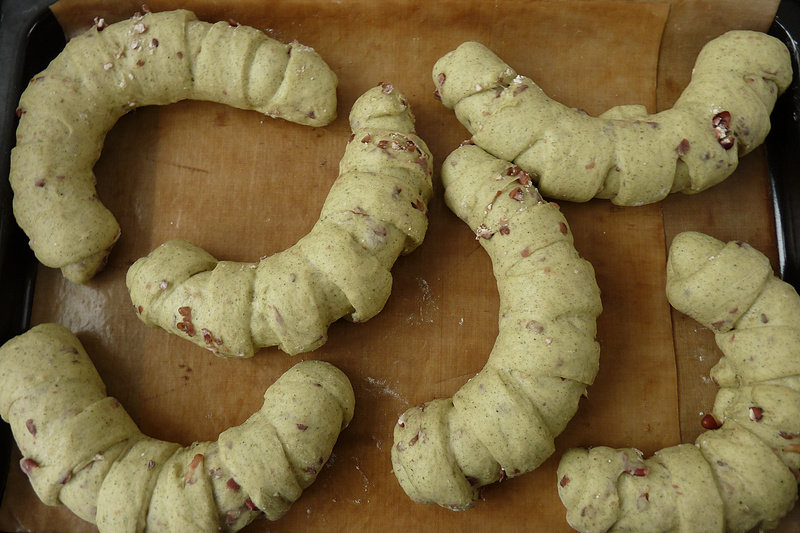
{"x": 81, "y": 449}
{"x": 503, "y": 421}
{"x": 626, "y": 154}
{"x": 158, "y": 58}
{"x": 742, "y": 473}
{"x": 376, "y": 210}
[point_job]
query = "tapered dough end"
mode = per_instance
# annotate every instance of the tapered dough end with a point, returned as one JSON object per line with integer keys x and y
{"x": 382, "y": 107}
{"x": 286, "y": 286}
{"x": 771, "y": 411}
{"x": 280, "y": 449}
{"x": 62, "y": 420}
{"x": 713, "y": 282}
{"x": 384, "y": 143}
{"x": 80, "y": 494}
{"x": 307, "y": 94}
{"x": 183, "y": 497}
{"x": 82, "y": 449}
{"x": 469, "y": 69}
{"x": 44, "y": 354}
{"x": 151, "y": 278}
{"x": 587, "y": 481}
{"x": 331, "y": 379}
{"x": 423, "y": 462}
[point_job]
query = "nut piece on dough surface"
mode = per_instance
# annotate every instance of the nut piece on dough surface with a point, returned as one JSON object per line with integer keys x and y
{"x": 81, "y": 449}
{"x": 155, "y": 59}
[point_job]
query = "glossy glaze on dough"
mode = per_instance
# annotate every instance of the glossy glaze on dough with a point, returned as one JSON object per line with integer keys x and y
{"x": 81, "y": 449}
{"x": 502, "y": 422}
{"x": 626, "y": 155}
{"x": 375, "y": 211}
{"x": 742, "y": 474}
{"x": 159, "y": 58}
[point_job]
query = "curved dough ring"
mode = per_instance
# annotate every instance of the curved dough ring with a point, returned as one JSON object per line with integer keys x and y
{"x": 158, "y": 58}
{"x": 503, "y": 421}
{"x": 80, "y": 448}
{"x": 625, "y": 154}
{"x": 376, "y": 210}
{"x": 743, "y": 473}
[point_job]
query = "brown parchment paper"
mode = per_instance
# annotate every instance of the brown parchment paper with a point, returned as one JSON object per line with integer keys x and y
{"x": 243, "y": 186}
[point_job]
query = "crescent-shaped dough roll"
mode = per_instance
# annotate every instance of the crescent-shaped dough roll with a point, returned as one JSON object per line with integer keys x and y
{"x": 502, "y": 422}
{"x": 81, "y": 449}
{"x": 376, "y": 210}
{"x": 742, "y": 473}
{"x": 625, "y": 154}
{"x": 158, "y": 58}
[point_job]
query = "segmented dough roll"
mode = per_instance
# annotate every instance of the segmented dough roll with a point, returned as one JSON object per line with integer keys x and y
{"x": 376, "y": 210}
{"x": 158, "y": 58}
{"x": 81, "y": 449}
{"x": 502, "y": 422}
{"x": 742, "y": 473}
{"x": 625, "y": 155}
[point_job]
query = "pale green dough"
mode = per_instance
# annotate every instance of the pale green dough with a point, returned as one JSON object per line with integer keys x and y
{"x": 595, "y": 505}
{"x": 756, "y": 487}
{"x": 183, "y": 497}
{"x": 780, "y": 407}
{"x": 691, "y": 477}
{"x": 56, "y": 405}
{"x": 742, "y": 475}
{"x": 607, "y": 489}
{"x": 625, "y": 154}
{"x": 715, "y": 295}
{"x": 71, "y": 441}
{"x": 127, "y": 488}
{"x": 81, "y": 449}
{"x": 375, "y": 211}
{"x": 503, "y": 421}
{"x": 80, "y": 494}
{"x": 269, "y": 474}
{"x": 155, "y": 59}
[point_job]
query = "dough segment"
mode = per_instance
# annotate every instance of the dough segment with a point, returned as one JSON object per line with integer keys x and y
{"x": 626, "y": 155}
{"x": 151, "y": 59}
{"x": 503, "y": 421}
{"x": 81, "y": 449}
{"x": 741, "y": 473}
{"x": 375, "y": 211}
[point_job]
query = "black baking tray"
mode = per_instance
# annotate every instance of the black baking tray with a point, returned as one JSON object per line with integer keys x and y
{"x": 30, "y": 37}
{"x": 782, "y": 146}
